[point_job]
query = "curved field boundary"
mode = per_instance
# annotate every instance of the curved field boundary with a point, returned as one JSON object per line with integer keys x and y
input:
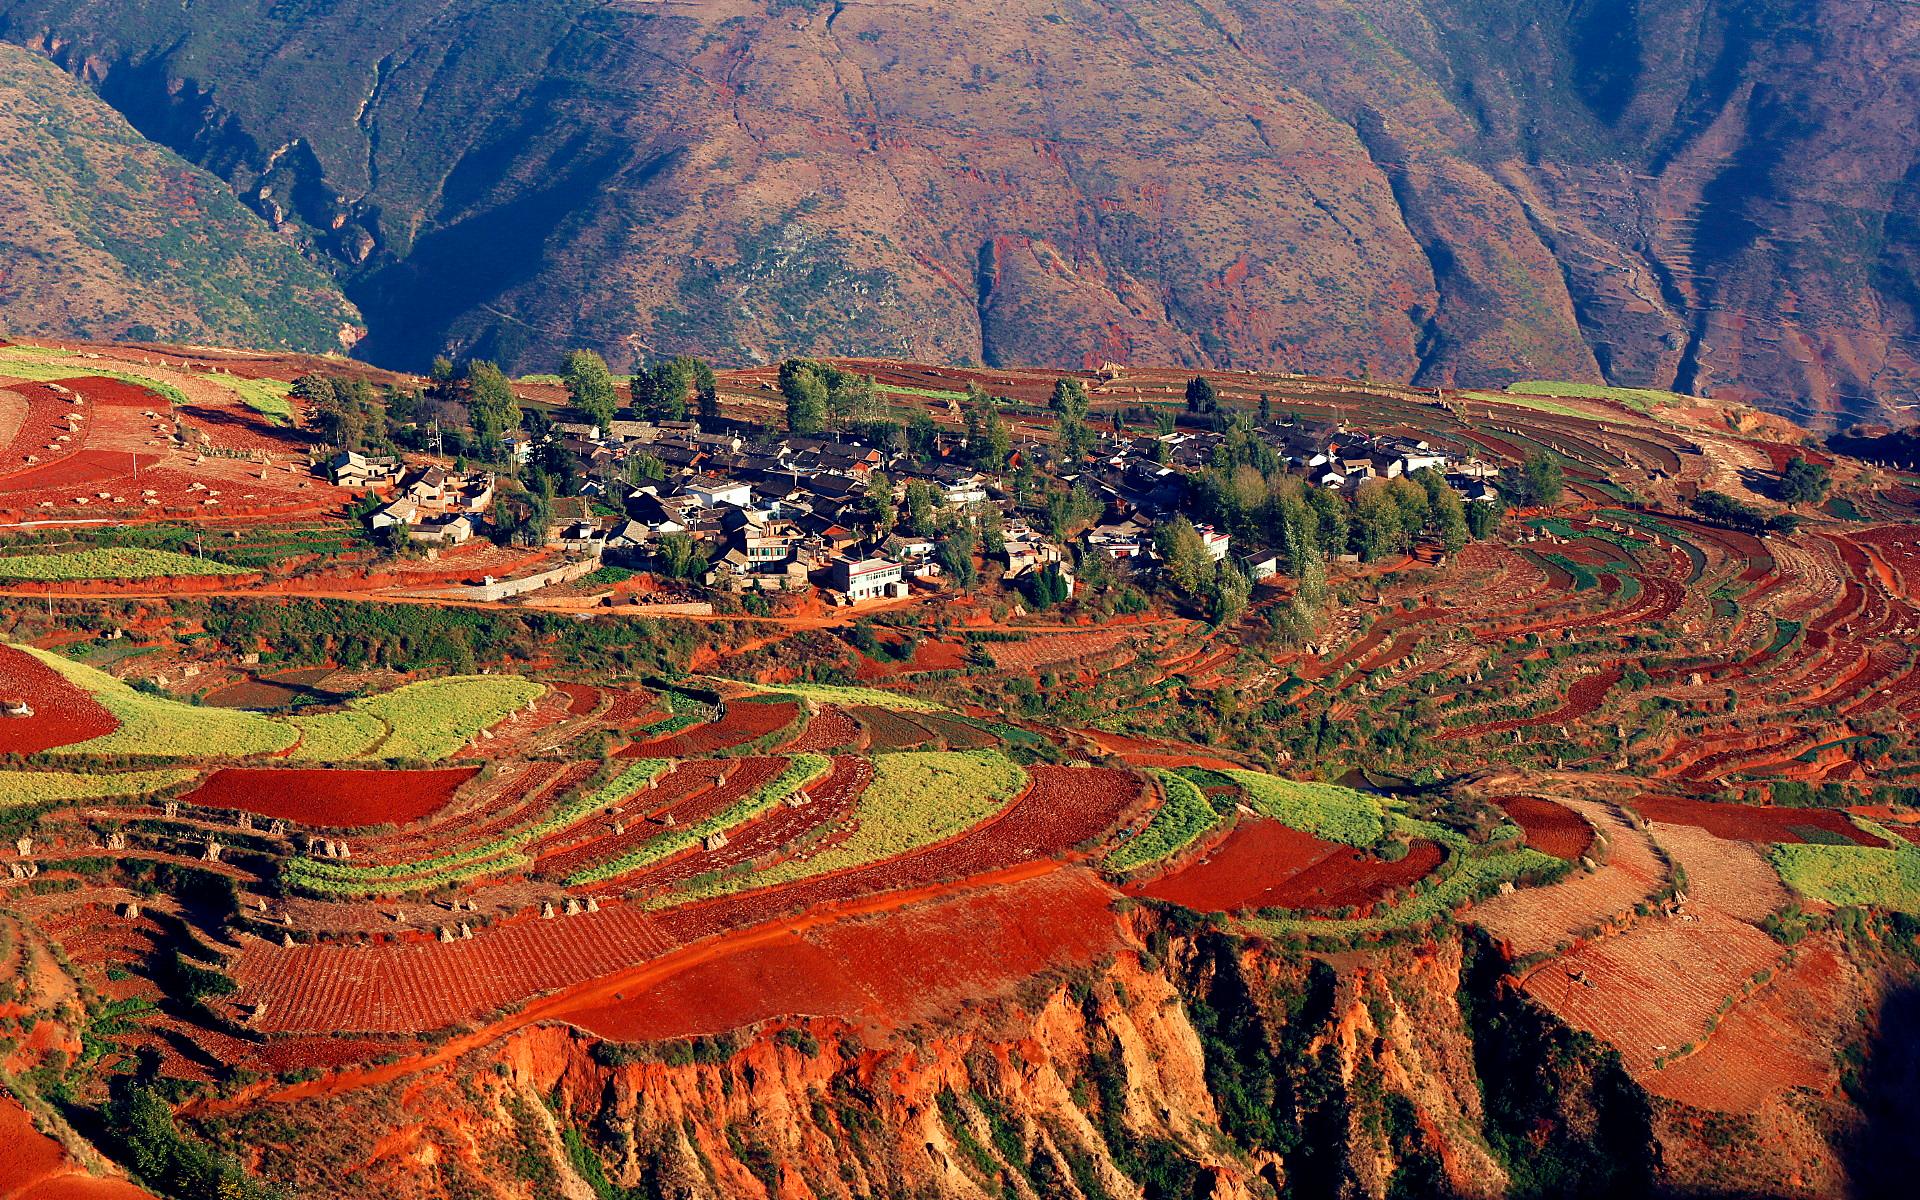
{"x": 339, "y": 799}
{"x": 1539, "y": 919}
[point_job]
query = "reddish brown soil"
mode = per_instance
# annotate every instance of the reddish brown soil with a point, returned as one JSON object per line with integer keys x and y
{"x": 35, "y": 1167}
{"x": 743, "y": 721}
{"x": 1264, "y": 864}
{"x": 334, "y": 798}
{"x": 1752, "y": 822}
{"x": 63, "y": 714}
{"x": 894, "y": 967}
{"x": 1550, "y": 828}
{"x": 829, "y": 729}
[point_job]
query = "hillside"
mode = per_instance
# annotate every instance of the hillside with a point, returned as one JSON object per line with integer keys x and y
{"x": 104, "y": 234}
{"x": 1563, "y": 849}
{"x": 1705, "y": 195}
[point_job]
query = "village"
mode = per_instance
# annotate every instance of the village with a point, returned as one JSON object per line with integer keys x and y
{"x": 744, "y": 511}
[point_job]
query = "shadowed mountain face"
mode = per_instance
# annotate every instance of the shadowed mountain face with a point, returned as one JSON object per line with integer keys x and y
{"x": 1717, "y": 195}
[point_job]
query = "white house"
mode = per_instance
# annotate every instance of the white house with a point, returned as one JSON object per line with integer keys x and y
{"x": 720, "y": 493}
{"x": 867, "y": 578}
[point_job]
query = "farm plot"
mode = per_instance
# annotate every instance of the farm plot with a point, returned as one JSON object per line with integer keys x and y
{"x": 433, "y": 718}
{"x": 1550, "y": 828}
{"x": 1887, "y": 877}
{"x": 1541, "y": 918}
{"x": 800, "y": 831}
{"x": 470, "y": 858}
{"x": 412, "y": 987}
{"x": 1652, "y": 991}
{"x": 1756, "y": 823}
{"x": 165, "y": 728}
{"x": 741, "y": 722}
{"x": 1784, "y": 1037}
{"x": 1326, "y": 810}
{"x": 831, "y": 728}
{"x": 64, "y": 713}
{"x": 1183, "y": 816}
{"x": 112, "y": 562}
{"x": 1063, "y": 807}
{"x": 340, "y": 799}
{"x": 911, "y": 964}
{"x": 1257, "y": 857}
{"x": 1731, "y": 876}
{"x": 915, "y": 799}
{"x": 752, "y": 790}
{"x": 51, "y": 787}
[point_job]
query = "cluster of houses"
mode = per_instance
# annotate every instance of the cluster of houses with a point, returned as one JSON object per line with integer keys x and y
{"x": 792, "y": 513}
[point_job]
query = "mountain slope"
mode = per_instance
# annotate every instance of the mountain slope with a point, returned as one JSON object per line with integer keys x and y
{"x": 105, "y": 235}
{"x": 1718, "y": 195}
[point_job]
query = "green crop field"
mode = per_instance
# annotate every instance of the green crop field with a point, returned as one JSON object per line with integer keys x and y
{"x": 338, "y": 736}
{"x": 115, "y": 562}
{"x": 1853, "y": 875}
{"x": 1641, "y": 400}
{"x": 917, "y": 798}
{"x": 166, "y": 728}
{"x": 435, "y": 717}
{"x": 43, "y": 787}
{"x": 1176, "y": 825}
{"x": 269, "y": 397}
{"x": 827, "y": 693}
{"x": 1325, "y": 810}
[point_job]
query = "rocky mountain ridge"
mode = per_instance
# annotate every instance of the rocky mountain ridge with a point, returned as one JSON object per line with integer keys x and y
{"x": 1715, "y": 195}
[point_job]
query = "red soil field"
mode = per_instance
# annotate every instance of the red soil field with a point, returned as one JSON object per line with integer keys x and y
{"x": 890, "y": 730}
{"x": 63, "y": 714}
{"x": 1539, "y": 918}
{"x": 1781, "y": 1038}
{"x": 1061, "y": 808}
{"x": 1550, "y": 828}
{"x": 35, "y": 1167}
{"x": 98, "y": 389}
{"x": 1753, "y": 822}
{"x": 743, "y": 721}
{"x": 897, "y": 967}
{"x": 1264, "y": 864}
{"x": 581, "y": 699}
{"x": 829, "y": 729}
{"x": 333, "y": 798}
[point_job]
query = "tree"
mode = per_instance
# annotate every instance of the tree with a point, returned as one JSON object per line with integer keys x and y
{"x": 923, "y": 437}
{"x": 1069, "y": 399}
{"x": 1334, "y": 520}
{"x": 1804, "y": 482}
{"x": 1046, "y": 587}
{"x": 955, "y": 553}
{"x": 706, "y": 391}
{"x": 1449, "y": 519}
{"x": 1227, "y": 598}
{"x": 1073, "y": 438}
{"x": 1538, "y": 483}
{"x": 1483, "y": 517}
{"x": 491, "y": 406}
{"x": 923, "y": 502}
{"x": 681, "y": 557}
{"x": 806, "y": 395}
{"x": 590, "y": 388}
{"x": 1266, "y": 409}
{"x": 880, "y": 503}
{"x": 1185, "y": 561}
{"x": 989, "y": 441}
{"x": 1201, "y": 396}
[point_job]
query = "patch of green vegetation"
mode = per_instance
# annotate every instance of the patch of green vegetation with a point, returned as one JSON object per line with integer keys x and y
{"x": 1325, "y": 810}
{"x": 271, "y": 398}
{"x": 110, "y": 563}
{"x": 43, "y": 787}
{"x": 916, "y": 798}
{"x": 432, "y": 718}
{"x": 37, "y": 364}
{"x": 930, "y": 393}
{"x": 827, "y": 693}
{"x": 1881, "y": 877}
{"x": 1177, "y": 824}
{"x": 165, "y": 728}
{"x": 1640, "y": 400}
